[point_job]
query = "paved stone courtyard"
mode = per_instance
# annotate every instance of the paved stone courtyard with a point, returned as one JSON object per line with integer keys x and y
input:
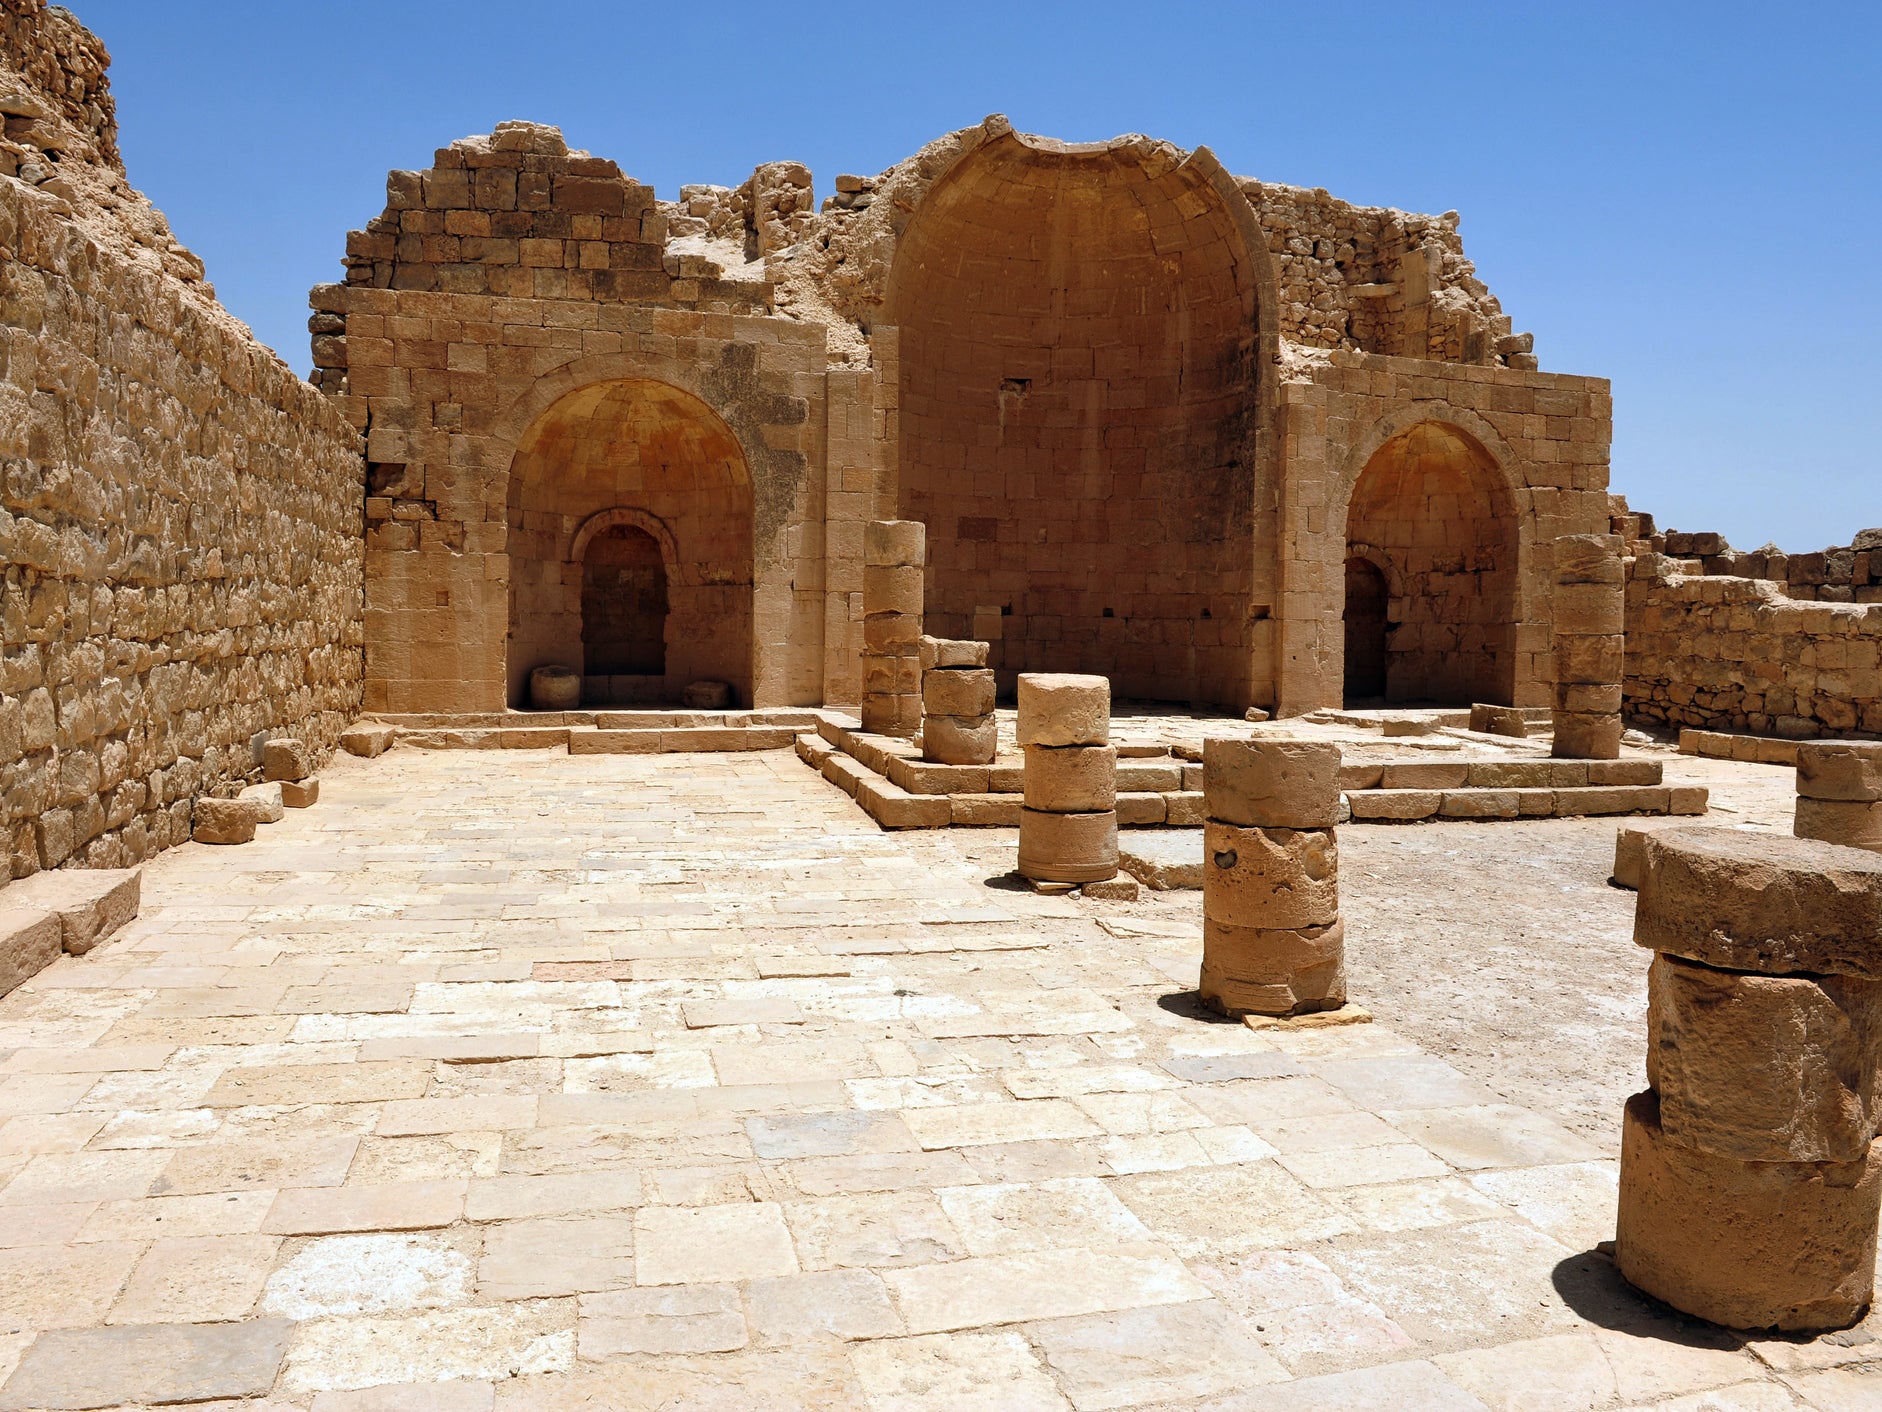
{"x": 628, "y": 1082}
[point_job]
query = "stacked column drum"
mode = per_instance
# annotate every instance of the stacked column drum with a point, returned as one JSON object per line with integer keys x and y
{"x": 1839, "y": 792}
{"x": 1750, "y": 1178}
{"x": 894, "y": 552}
{"x": 957, "y": 726}
{"x": 1590, "y": 608}
{"x": 1272, "y": 941}
{"x": 1068, "y": 825}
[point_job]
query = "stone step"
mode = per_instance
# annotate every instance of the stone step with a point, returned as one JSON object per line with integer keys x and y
{"x": 597, "y": 741}
{"x": 67, "y": 910}
{"x": 1728, "y": 745}
{"x": 1410, "y": 805}
{"x": 1501, "y": 773}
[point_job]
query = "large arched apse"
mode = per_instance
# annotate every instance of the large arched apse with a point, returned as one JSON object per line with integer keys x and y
{"x": 1432, "y": 505}
{"x": 630, "y": 541}
{"x": 1076, "y": 402}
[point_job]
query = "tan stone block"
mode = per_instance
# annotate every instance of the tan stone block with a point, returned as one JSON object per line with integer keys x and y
{"x": 958, "y": 691}
{"x": 892, "y": 589}
{"x": 368, "y": 738}
{"x": 895, "y": 542}
{"x": 1265, "y": 783}
{"x": 1057, "y": 708}
{"x": 1588, "y": 609}
{"x": 1579, "y": 737}
{"x": 1509, "y": 774}
{"x": 1072, "y": 848}
{"x": 985, "y": 811}
{"x": 1480, "y": 804}
{"x": 1270, "y": 877}
{"x": 898, "y": 716}
{"x": 952, "y": 652}
{"x": 1850, "y": 822}
{"x": 1687, "y": 799}
{"x": 959, "y": 740}
{"x": 1596, "y": 660}
{"x": 1140, "y": 809}
{"x": 1394, "y": 803}
{"x": 300, "y": 794}
{"x": 1750, "y": 1245}
{"x": 1630, "y": 857}
{"x": 1071, "y": 779}
{"x": 1588, "y": 558}
{"x": 29, "y": 942}
{"x": 1761, "y": 902}
{"x": 1362, "y": 776}
{"x": 891, "y": 674}
{"x": 1624, "y": 772}
{"x": 90, "y": 903}
{"x": 265, "y": 799}
{"x": 285, "y": 758}
{"x": 1245, "y": 969}
{"x": 555, "y": 688}
{"x": 223, "y": 821}
{"x": 1840, "y": 769}
{"x": 1585, "y": 699}
{"x": 893, "y": 634}
{"x": 1499, "y": 720}
{"x": 1764, "y": 1068}
{"x": 1434, "y": 774}
{"x": 1185, "y": 808}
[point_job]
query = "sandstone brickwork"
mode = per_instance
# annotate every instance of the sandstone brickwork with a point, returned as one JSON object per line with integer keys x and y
{"x": 1588, "y": 606}
{"x": 957, "y": 696}
{"x": 1068, "y": 823}
{"x": 1839, "y": 793}
{"x": 179, "y": 513}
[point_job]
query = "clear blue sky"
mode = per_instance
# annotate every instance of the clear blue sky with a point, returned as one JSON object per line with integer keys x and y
{"x": 1683, "y": 197}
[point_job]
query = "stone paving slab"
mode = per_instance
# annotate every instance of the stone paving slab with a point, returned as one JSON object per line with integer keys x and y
{"x": 638, "y": 1081}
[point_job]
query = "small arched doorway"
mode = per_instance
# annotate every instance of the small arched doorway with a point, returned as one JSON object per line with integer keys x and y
{"x": 1368, "y": 598}
{"x": 1435, "y": 514}
{"x": 624, "y": 605}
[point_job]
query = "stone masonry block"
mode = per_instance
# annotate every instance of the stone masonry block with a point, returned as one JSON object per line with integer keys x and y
{"x": 1074, "y": 848}
{"x": 890, "y": 588}
{"x": 895, "y": 542}
{"x": 966, "y": 691}
{"x": 1764, "y": 1068}
{"x": 1270, "y": 877}
{"x": 1071, "y": 778}
{"x": 1057, "y": 708}
{"x": 1588, "y": 558}
{"x": 1273, "y": 971}
{"x": 223, "y": 821}
{"x": 959, "y": 740}
{"x": 286, "y": 758}
{"x": 1594, "y": 660}
{"x": 952, "y": 652}
{"x": 1750, "y": 1245}
{"x": 29, "y": 941}
{"x": 1761, "y": 902}
{"x": 368, "y": 738}
{"x": 90, "y": 903}
{"x": 1290, "y": 784}
{"x": 1850, "y": 822}
{"x": 1848, "y": 770}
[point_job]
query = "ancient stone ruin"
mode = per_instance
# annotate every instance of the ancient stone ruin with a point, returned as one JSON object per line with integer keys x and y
{"x": 1182, "y": 967}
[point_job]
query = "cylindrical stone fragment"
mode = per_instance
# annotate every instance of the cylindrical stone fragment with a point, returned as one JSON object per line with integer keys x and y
{"x": 891, "y": 674}
{"x": 1852, "y": 823}
{"x": 1273, "y": 970}
{"x": 1589, "y": 609}
{"x": 1843, "y": 770}
{"x": 1750, "y": 1245}
{"x": 1072, "y": 848}
{"x": 1071, "y": 778}
{"x": 959, "y": 740}
{"x": 1583, "y": 698}
{"x": 892, "y": 589}
{"x": 898, "y": 716}
{"x": 1059, "y": 708}
{"x": 897, "y": 542}
{"x": 1764, "y": 1068}
{"x": 952, "y": 652}
{"x": 958, "y": 691}
{"x": 1761, "y": 902}
{"x": 895, "y": 634}
{"x": 1589, "y": 660}
{"x": 1279, "y": 878}
{"x": 1290, "y": 784}
{"x": 1580, "y": 736}
{"x": 1588, "y": 558}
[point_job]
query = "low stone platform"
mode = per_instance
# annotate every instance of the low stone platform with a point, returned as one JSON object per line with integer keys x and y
{"x": 1728, "y": 745}
{"x": 606, "y": 732}
{"x": 66, "y": 911}
{"x": 1413, "y": 790}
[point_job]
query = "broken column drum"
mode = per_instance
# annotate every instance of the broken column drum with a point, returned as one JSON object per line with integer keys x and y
{"x": 1839, "y": 792}
{"x": 1750, "y": 1177}
{"x": 1589, "y": 606}
{"x": 1272, "y": 942}
{"x": 957, "y": 723}
{"x": 894, "y": 553}
{"x": 1068, "y": 822}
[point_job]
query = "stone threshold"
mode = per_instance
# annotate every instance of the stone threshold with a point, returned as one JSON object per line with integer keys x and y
{"x": 606, "y": 732}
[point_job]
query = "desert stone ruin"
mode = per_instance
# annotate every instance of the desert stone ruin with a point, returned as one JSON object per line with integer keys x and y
{"x": 992, "y": 785}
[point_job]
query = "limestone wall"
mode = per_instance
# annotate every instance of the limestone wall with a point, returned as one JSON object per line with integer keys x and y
{"x": 1731, "y": 653}
{"x": 179, "y": 513}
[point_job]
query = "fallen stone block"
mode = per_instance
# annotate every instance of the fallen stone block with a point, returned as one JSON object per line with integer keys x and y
{"x": 1499, "y": 720}
{"x": 367, "y": 739}
{"x": 1750, "y": 1245}
{"x": 1122, "y": 888}
{"x": 223, "y": 820}
{"x": 30, "y": 940}
{"x": 286, "y": 758}
{"x": 1161, "y": 860}
{"x": 90, "y": 903}
{"x": 267, "y": 801}
{"x": 299, "y": 794}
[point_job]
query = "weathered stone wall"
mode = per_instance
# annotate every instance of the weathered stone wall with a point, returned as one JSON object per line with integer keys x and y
{"x": 179, "y": 513}
{"x": 1730, "y": 653}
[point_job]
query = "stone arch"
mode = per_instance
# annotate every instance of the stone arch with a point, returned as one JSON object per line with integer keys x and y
{"x": 1424, "y": 495}
{"x": 1079, "y": 332}
{"x": 639, "y": 454}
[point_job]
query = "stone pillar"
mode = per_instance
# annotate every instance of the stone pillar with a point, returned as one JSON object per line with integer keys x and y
{"x": 1068, "y": 825}
{"x": 1590, "y": 613}
{"x": 1272, "y": 941}
{"x": 957, "y": 725}
{"x": 1839, "y": 792}
{"x": 1750, "y": 1177}
{"x": 894, "y": 552}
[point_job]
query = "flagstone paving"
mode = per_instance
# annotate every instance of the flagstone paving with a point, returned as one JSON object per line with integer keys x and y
{"x": 625, "y": 1082}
